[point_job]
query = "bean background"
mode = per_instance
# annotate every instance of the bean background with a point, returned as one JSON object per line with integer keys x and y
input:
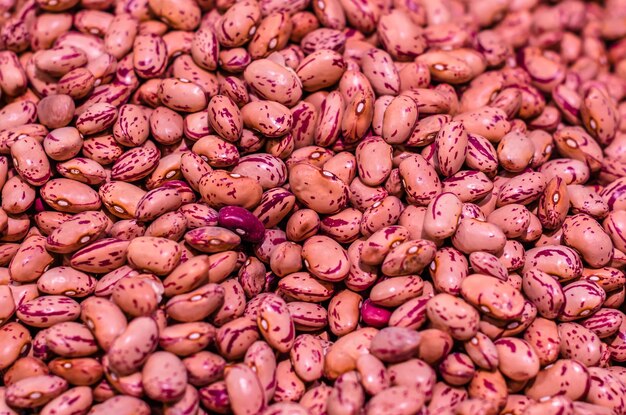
{"x": 312, "y": 207}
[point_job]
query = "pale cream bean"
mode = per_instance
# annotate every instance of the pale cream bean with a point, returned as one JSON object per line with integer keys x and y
{"x": 242, "y": 381}
{"x": 514, "y": 220}
{"x": 261, "y": 358}
{"x": 515, "y": 151}
{"x": 495, "y": 298}
{"x": 16, "y": 339}
{"x": 121, "y": 198}
{"x": 475, "y": 235}
{"x": 106, "y": 330}
{"x": 165, "y": 254}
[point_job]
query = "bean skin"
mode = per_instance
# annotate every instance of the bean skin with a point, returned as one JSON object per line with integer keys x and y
{"x": 312, "y": 207}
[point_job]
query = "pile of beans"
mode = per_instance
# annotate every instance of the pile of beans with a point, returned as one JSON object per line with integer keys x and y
{"x": 292, "y": 207}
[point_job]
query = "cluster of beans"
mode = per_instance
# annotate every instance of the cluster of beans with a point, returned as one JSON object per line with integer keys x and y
{"x": 292, "y": 207}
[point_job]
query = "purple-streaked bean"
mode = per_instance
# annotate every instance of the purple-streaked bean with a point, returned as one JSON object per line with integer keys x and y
{"x": 246, "y": 192}
{"x": 457, "y": 369}
{"x": 149, "y": 56}
{"x": 413, "y": 373}
{"x": 35, "y": 391}
{"x": 187, "y": 338}
{"x": 560, "y": 261}
{"x": 496, "y": 298}
{"x": 347, "y": 394}
{"x": 585, "y": 234}
{"x": 445, "y": 398}
{"x": 121, "y": 404}
{"x": 48, "y": 310}
{"x": 234, "y": 337}
{"x": 464, "y": 322}
{"x": 574, "y": 335}
{"x": 30, "y": 261}
{"x": 565, "y": 377}
{"x": 544, "y": 291}
{"x": 325, "y": 61}
{"x": 307, "y": 357}
{"x": 344, "y": 312}
{"x": 204, "y": 368}
{"x": 133, "y": 346}
{"x": 30, "y": 161}
{"x": 582, "y": 299}
{"x": 164, "y": 377}
{"x": 604, "y": 323}
{"x": 373, "y": 157}
{"x": 400, "y": 117}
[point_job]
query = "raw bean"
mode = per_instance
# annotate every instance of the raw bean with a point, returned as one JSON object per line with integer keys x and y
{"x": 347, "y": 394}
{"x": 343, "y": 311}
{"x": 496, "y": 298}
{"x": 133, "y": 346}
{"x": 48, "y": 310}
{"x": 551, "y": 381}
{"x": 463, "y": 325}
{"x": 242, "y": 381}
{"x": 228, "y": 207}
{"x": 164, "y": 377}
{"x": 16, "y": 340}
{"x": 35, "y": 391}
